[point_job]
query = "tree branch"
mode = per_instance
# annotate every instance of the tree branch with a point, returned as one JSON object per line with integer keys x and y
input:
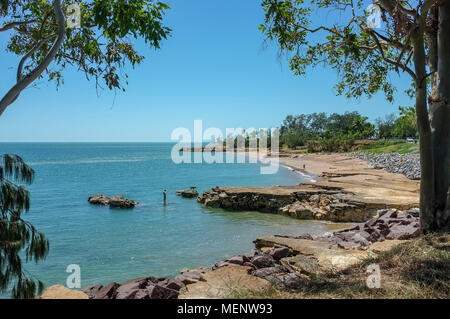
{"x": 426, "y": 7}
{"x": 316, "y": 29}
{"x": 29, "y": 53}
{"x": 14, "y": 92}
{"x": 390, "y": 7}
{"x": 12, "y": 25}
{"x": 386, "y": 59}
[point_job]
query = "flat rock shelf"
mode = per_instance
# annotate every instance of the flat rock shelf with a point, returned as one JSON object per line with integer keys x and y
{"x": 347, "y": 190}
{"x": 306, "y": 201}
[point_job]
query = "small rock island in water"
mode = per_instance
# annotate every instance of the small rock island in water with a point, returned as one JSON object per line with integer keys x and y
{"x": 188, "y": 193}
{"x": 115, "y": 201}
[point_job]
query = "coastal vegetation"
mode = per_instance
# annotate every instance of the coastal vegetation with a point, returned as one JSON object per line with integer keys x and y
{"x": 336, "y": 132}
{"x": 411, "y": 40}
{"x": 100, "y": 47}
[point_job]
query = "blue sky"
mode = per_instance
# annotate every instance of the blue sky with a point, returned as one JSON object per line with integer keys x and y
{"x": 215, "y": 67}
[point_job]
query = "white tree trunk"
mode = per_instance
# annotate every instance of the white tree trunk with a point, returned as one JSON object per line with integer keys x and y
{"x": 21, "y": 84}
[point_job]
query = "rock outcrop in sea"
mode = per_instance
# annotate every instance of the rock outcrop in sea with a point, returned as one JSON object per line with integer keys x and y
{"x": 115, "y": 201}
{"x": 307, "y": 201}
{"x": 187, "y": 193}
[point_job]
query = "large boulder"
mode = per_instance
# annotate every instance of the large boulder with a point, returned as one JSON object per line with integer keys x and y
{"x": 280, "y": 252}
{"x": 389, "y": 224}
{"x": 161, "y": 292}
{"x": 268, "y": 273}
{"x": 404, "y": 231}
{"x": 238, "y": 260}
{"x": 99, "y": 199}
{"x": 115, "y": 201}
{"x": 175, "y": 284}
{"x": 263, "y": 261}
{"x": 129, "y": 290}
{"x": 108, "y": 291}
{"x": 139, "y": 288}
{"x": 120, "y": 202}
{"x": 187, "y": 193}
{"x": 92, "y": 291}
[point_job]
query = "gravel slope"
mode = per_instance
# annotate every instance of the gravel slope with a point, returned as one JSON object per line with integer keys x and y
{"x": 406, "y": 164}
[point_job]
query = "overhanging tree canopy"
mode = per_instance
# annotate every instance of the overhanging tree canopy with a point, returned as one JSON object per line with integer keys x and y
{"x": 414, "y": 39}
{"x": 100, "y": 48}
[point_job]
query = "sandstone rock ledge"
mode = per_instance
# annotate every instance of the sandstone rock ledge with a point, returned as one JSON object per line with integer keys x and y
{"x": 61, "y": 292}
{"x": 219, "y": 283}
{"x": 306, "y": 201}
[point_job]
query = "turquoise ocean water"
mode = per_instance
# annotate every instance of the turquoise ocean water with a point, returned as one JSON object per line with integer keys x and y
{"x": 151, "y": 239}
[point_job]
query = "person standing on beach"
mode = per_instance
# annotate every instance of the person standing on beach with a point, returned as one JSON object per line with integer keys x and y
{"x": 165, "y": 197}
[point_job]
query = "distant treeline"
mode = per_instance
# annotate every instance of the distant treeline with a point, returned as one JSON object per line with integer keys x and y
{"x": 336, "y": 132}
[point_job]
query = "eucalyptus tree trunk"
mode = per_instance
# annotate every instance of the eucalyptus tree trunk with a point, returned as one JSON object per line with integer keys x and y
{"x": 427, "y": 183}
{"x": 440, "y": 121}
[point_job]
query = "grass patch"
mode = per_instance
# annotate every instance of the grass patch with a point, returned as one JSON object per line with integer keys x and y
{"x": 372, "y": 146}
{"x": 419, "y": 268}
{"x": 401, "y": 147}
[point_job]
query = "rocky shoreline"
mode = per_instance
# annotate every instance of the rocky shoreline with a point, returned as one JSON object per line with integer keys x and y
{"x": 285, "y": 262}
{"x": 406, "y": 164}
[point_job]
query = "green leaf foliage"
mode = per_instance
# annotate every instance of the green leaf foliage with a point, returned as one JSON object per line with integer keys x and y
{"x": 101, "y": 48}
{"x": 345, "y": 47}
{"x": 17, "y": 236}
{"x": 406, "y": 124}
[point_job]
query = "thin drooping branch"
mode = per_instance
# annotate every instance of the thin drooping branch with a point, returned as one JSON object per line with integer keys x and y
{"x": 391, "y": 6}
{"x": 407, "y": 41}
{"x": 388, "y": 60}
{"x": 14, "y": 92}
{"x": 394, "y": 43}
{"x": 29, "y": 53}
{"x": 303, "y": 28}
{"x": 12, "y": 25}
